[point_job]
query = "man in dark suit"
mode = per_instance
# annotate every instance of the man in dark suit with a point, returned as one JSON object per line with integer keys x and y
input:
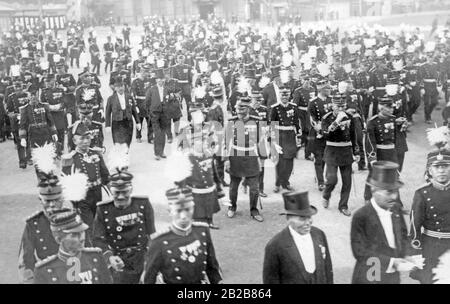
{"x": 378, "y": 233}
{"x": 271, "y": 93}
{"x": 299, "y": 254}
{"x": 155, "y": 99}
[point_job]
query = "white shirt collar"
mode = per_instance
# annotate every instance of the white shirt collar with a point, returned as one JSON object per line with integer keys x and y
{"x": 380, "y": 211}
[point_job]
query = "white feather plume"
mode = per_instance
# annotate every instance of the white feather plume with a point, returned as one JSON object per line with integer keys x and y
{"x": 391, "y": 89}
{"x": 216, "y": 78}
{"x": 200, "y": 92}
{"x": 264, "y": 81}
{"x": 44, "y": 157}
{"x": 203, "y": 66}
{"x": 287, "y": 59}
{"x": 243, "y": 86}
{"x": 74, "y": 186}
{"x": 442, "y": 270}
{"x": 438, "y": 137}
{"x": 178, "y": 167}
{"x": 324, "y": 69}
{"x": 284, "y": 76}
{"x": 118, "y": 157}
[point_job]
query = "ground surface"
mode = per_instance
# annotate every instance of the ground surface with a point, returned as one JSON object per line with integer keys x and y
{"x": 240, "y": 242}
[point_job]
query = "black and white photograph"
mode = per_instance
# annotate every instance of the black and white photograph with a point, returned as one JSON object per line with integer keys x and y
{"x": 255, "y": 142}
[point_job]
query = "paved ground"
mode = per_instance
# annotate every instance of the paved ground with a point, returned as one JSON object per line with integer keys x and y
{"x": 240, "y": 242}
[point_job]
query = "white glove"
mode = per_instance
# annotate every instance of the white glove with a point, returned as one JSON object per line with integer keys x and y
{"x": 340, "y": 116}
{"x": 116, "y": 263}
{"x": 101, "y": 113}
{"x": 55, "y": 137}
{"x": 138, "y": 127}
{"x": 279, "y": 149}
{"x": 357, "y": 158}
{"x": 23, "y": 142}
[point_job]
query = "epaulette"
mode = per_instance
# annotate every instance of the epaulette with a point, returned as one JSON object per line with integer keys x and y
{"x": 46, "y": 261}
{"x": 292, "y": 104}
{"x": 274, "y": 105}
{"x": 92, "y": 249}
{"x": 373, "y": 117}
{"x": 23, "y": 107}
{"x": 255, "y": 117}
{"x": 200, "y": 224}
{"x": 326, "y": 115}
{"x": 97, "y": 123}
{"x": 140, "y": 196}
{"x": 261, "y": 106}
{"x": 105, "y": 202}
{"x": 424, "y": 185}
{"x": 233, "y": 118}
{"x": 157, "y": 234}
{"x": 34, "y": 215}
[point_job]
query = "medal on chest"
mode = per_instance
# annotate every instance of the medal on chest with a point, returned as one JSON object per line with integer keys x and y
{"x": 191, "y": 251}
{"x": 128, "y": 220}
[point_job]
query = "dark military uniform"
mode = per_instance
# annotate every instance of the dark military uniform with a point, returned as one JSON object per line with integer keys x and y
{"x": 355, "y": 107}
{"x": 412, "y": 83}
{"x": 183, "y": 74}
{"x": 285, "y": 120}
{"x": 182, "y": 257}
{"x": 125, "y": 233}
{"x": 93, "y": 165}
{"x": 67, "y": 81}
{"x": 302, "y": 97}
{"x": 36, "y": 124}
{"x": 37, "y": 244}
{"x": 51, "y": 48}
{"x": 109, "y": 49}
{"x": 401, "y": 145}
{"x": 264, "y": 142}
{"x": 14, "y": 102}
{"x": 361, "y": 85}
{"x": 139, "y": 88}
{"x": 429, "y": 77}
{"x": 55, "y": 99}
{"x": 124, "y": 74}
{"x": 340, "y": 148}
{"x": 96, "y": 130}
{"x": 88, "y": 268}
{"x": 430, "y": 226}
{"x": 317, "y": 108}
{"x": 378, "y": 81}
{"x": 91, "y": 94}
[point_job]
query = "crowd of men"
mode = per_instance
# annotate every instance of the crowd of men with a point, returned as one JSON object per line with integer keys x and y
{"x": 341, "y": 95}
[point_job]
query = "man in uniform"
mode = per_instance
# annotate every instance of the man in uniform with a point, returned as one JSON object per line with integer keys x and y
{"x": 51, "y": 48}
{"x": 37, "y": 240}
{"x": 381, "y": 137}
{"x": 139, "y": 88}
{"x": 89, "y": 92}
{"x": 74, "y": 263}
{"x": 67, "y": 82}
{"x": 14, "y": 101}
{"x": 430, "y": 216}
{"x": 341, "y": 148}
{"x": 317, "y": 109}
{"x": 182, "y": 72}
{"x": 122, "y": 229}
{"x": 89, "y": 162}
{"x": 95, "y": 128}
{"x": 241, "y": 156}
{"x": 285, "y": 119}
{"x": 429, "y": 76}
{"x": 54, "y": 97}
{"x": 412, "y": 84}
{"x": 108, "y": 47}
{"x": 183, "y": 253}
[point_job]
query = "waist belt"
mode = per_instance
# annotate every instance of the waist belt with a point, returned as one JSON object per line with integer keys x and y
{"x": 94, "y": 183}
{"x": 39, "y": 125}
{"x": 285, "y": 128}
{"x": 380, "y": 88}
{"x": 303, "y": 108}
{"x": 429, "y": 80}
{"x": 96, "y": 107}
{"x": 183, "y": 81}
{"x": 339, "y": 144}
{"x": 244, "y": 149}
{"x": 140, "y": 97}
{"x": 386, "y": 147}
{"x": 204, "y": 190}
{"x": 130, "y": 249}
{"x": 436, "y": 234}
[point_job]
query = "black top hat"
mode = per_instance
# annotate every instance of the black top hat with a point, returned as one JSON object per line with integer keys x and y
{"x": 67, "y": 220}
{"x": 85, "y": 108}
{"x": 81, "y": 130}
{"x": 338, "y": 99}
{"x": 441, "y": 156}
{"x": 297, "y": 203}
{"x": 180, "y": 196}
{"x": 160, "y": 74}
{"x": 121, "y": 179}
{"x": 384, "y": 175}
{"x": 385, "y": 101}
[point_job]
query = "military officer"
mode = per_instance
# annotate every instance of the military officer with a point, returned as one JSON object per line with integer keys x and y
{"x": 54, "y": 97}
{"x": 317, "y": 109}
{"x": 361, "y": 85}
{"x": 90, "y": 162}
{"x": 381, "y": 137}
{"x": 285, "y": 119}
{"x": 51, "y": 48}
{"x": 412, "y": 84}
{"x": 241, "y": 156}
{"x": 122, "y": 229}
{"x": 377, "y": 81}
{"x": 139, "y": 87}
{"x": 108, "y": 47}
{"x": 37, "y": 240}
{"x": 95, "y": 128}
{"x": 89, "y": 92}
{"x": 73, "y": 263}
{"x": 67, "y": 82}
{"x": 428, "y": 74}
{"x": 182, "y": 72}
{"x": 122, "y": 72}
{"x": 430, "y": 214}
{"x": 183, "y": 253}
{"x": 340, "y": 151}
{"x": 14, "y": 101}
{"x": 36, "y": 126}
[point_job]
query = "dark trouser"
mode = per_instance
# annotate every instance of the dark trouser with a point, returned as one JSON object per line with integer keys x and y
{"x": 176, "y": 128}
{"x": 60, "y": 142}
{"x": 21, "y": 151}
{"x": 331, "y": 182}
{"x": 252, "y": 182}
{"x": 366, "y": 100}
{"x": 400, "y": 160}
{"x": 160, "y": 123}
{"x": 261, "y": 177}
{"x": 304, "y": 120}
{"x": 149, "y": 128}
{"x": 134, "y": 266}
{"x": 432, "y": 249}
{"x": 110, "y": 64}
{"x": 2, "y": 126}
{"x": 414, "y": 102}
{"x": 283, "y": 171}
{"x": 220, "y": 167}
{"x": 188, "y": 100}
{"x": 126, "y": 40}
{"x": 319, "y": 165}
{"x": 77, "y": 60}
{"x": 87, "y": 208}
{"x": 430, "y": 102}
{"x": 122, "y": 131}
{"x": 96, "y": 68}
{"x": 357, "y": 122}
{"x": 382, "y": 154}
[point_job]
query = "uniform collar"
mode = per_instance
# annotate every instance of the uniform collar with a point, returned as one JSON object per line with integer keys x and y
{"x": 440, "y": 186}
{"x": 180, "y": 231}
{"x": 64, "y": 256}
